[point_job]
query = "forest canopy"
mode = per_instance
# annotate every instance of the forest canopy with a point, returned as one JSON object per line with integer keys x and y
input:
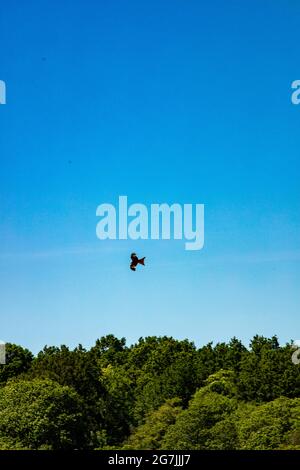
{"x": 160, "y": 393}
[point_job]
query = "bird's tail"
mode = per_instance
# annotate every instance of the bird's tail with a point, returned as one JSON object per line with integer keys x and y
{"x": 142, "y": 261}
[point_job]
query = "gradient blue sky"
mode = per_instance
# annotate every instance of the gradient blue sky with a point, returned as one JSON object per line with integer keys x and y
{"x": 162, "y": 101}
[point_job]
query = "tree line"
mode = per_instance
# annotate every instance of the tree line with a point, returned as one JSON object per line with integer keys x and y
{"x": 160, "y": 393}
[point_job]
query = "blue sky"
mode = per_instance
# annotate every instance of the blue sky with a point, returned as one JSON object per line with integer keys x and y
{"x": 162, "y": 101}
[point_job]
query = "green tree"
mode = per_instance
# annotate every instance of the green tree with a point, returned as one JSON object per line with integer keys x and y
{"x": 222, "y": 382}
{"x": 110, "y": 350}
{"x": 18, "y": 360}
{"x": 77, "y": 368}
{"x": 118, "y": 403}
{"x": 164, "y": 368}
{"x": 195, "y": 426}
{"x": 267, "y": 372}
{"x": 40, "y": 414}
{"x": 80, "y": 370}
{"x": 270, "y": 425}
{"x": 149, "y": 435}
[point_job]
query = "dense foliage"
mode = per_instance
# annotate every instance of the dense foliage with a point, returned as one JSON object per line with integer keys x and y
{"x": 157, "y": 394}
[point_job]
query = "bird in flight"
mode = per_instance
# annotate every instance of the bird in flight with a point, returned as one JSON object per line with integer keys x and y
{"x": 135, "y": 261}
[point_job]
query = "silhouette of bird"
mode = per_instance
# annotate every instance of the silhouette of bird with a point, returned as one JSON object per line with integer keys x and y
{"x": 135, "y": 261}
